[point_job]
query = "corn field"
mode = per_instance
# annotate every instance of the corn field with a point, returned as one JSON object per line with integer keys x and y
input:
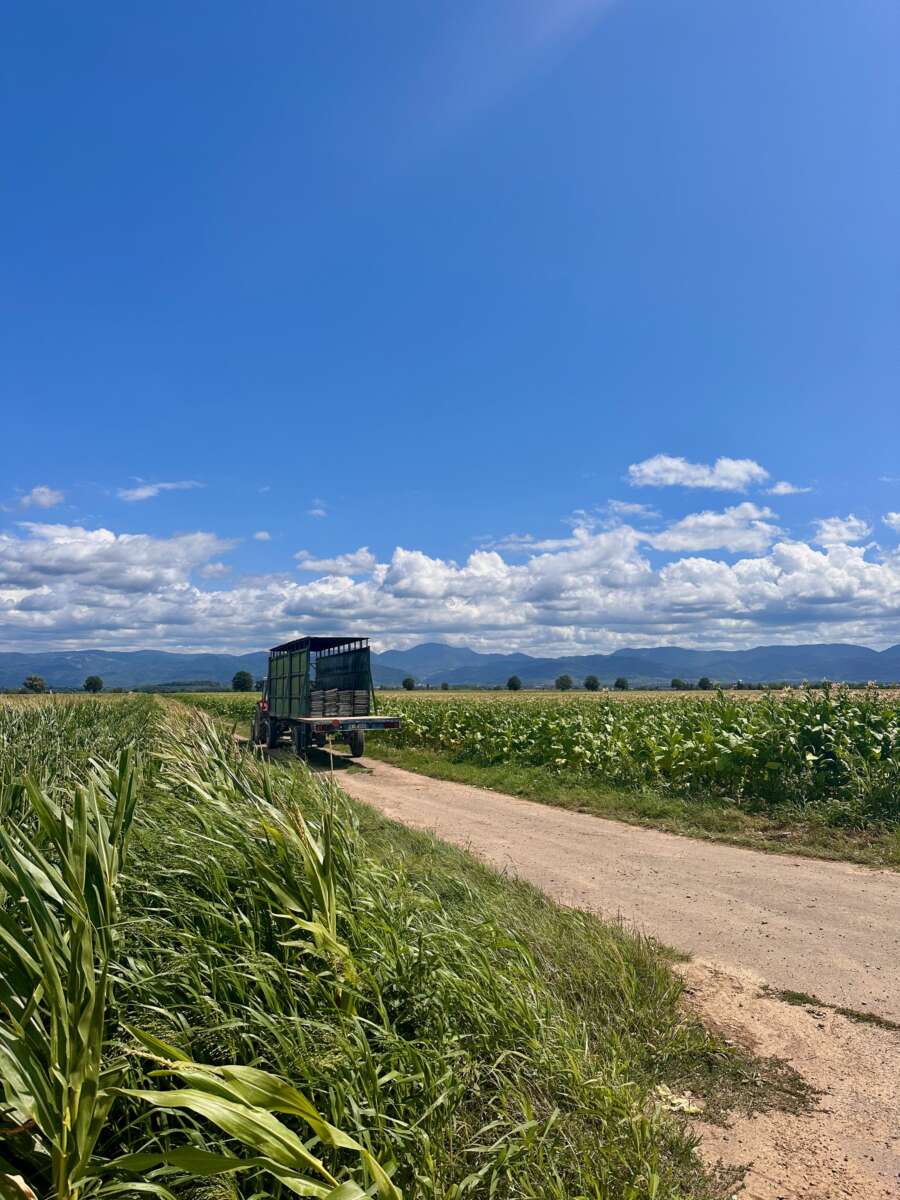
{"x": 215, "y": 984}
{"x": 835, "y": 753}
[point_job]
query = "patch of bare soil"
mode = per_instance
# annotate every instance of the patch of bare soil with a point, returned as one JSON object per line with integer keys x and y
{"x": 848, "y": 1146}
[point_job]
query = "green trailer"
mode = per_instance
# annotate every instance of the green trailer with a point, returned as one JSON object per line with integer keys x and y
{"x": 316, "y": 688}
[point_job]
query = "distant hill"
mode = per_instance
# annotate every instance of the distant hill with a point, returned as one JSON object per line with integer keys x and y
{"x": 434, "y": 663}
{"x": 122, "y": 668}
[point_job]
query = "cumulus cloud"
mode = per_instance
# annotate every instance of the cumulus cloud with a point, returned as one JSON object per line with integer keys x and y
{"x": 146, "y": 491}
{"x": 725, "y": 474}
{"x": 262, "y": 535}
{"x": 359, "y": 562}
{"x": 783, "y": 488}
{"x": 42, "y": 496}
{"x": 66, "y": 586}
{"x": 892, "y": 520}
{"x": 743, "y": 528}
{"x": 125, "y": 562}
{"x": 318, "y": 508}
{"x": 834, "y": 531}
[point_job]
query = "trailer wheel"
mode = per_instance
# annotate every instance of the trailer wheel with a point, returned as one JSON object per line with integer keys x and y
{"x": 301, "y": 740}
{"x": 357, "y": 743}
{"x": 271, "y": 732}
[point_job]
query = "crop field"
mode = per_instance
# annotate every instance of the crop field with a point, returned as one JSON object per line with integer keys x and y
{"x": 220, "y": 979}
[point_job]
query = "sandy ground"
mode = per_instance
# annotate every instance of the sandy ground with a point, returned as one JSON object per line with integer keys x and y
{"x": 831, "y": 930}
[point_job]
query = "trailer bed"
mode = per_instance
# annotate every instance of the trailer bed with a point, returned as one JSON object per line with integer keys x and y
{"x": 330, "y": 724}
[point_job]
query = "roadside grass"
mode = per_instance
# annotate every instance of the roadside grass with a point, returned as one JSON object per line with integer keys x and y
{"x": 695, "y": 817}
{"x": 618, "y": 982}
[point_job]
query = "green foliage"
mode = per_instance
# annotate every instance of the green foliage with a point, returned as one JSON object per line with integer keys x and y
{"x": 93, "y": 684}
{"x": 833, "y": 755}
{"x": 704, "y": 683}
{"x": 409, "y": 683}
{"x": 621, "y": 684}
{"x": 514, "y": 683}
{"x": 445, "y": 687}
{"x": 34, "y": 683}
{"x": 679, "y": 685}
{"x": 591, "y": 683}
{"x": 241, "y": 988}
{"x": 564, "y": 683}
{"x": 242, "y": 682}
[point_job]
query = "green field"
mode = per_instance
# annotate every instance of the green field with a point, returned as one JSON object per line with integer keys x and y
{"x": 221, "y": 979}
{"x": 810, "y": 771}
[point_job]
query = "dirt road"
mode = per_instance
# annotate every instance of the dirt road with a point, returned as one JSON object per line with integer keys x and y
{"x": 831, "y": 930}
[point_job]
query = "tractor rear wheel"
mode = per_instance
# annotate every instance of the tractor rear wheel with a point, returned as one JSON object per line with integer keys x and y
{"x": 271, "y": 731}
{"x": 357, "y": 743}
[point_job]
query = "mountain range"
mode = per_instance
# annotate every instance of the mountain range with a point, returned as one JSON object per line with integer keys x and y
{"x": 433, "y": 663}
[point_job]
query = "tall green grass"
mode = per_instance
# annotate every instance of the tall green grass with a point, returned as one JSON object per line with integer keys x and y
{"x": 221, "y": 979}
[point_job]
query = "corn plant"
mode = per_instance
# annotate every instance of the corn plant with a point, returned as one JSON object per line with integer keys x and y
{"x": 58, "y": 938}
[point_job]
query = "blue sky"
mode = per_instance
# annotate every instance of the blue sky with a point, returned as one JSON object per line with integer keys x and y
{"x": 432, "y": 296}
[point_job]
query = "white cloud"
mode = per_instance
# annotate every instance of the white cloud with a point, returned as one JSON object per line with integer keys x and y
{"x": 42, "y": 496}
{"x": 725, "y": 475}
{"x": 262, "y": 535}
{"x": 359, "y": 562}
{"x": 146, "y": 491}
{"x": 625, "y": 508}
{"x": 835, "y": 531}
{"x": 743, "y": 528}
{"x": 66, "y": 586}
{"x": 214, "y": 570}
{"x": 318, "y": 508}
{"x": 892, "y": 520}
{"x": 519, "y": 543}
{"x": 783, "y": 488}
{"x": 125, "y": 562}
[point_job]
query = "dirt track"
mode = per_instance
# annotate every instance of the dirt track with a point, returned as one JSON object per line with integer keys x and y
{"x": 827, "y": 929}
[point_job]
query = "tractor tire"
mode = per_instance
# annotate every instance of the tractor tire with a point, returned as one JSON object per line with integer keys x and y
{"x": 357, "y": 743}
{"x": 271, "y": 732}
{"x": 300, "y": 738}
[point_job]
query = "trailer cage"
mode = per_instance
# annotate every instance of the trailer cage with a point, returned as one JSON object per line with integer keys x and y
{"x": 316, "y": 688}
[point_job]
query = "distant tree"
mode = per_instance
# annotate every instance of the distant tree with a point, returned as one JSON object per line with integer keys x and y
{"x": 592, "y": 684}
{"x": 258, "y": 685}
{"x": 409, "y": 683}
{"x": 621, "y": 684}
{"x": 34, "y": 683}
{"x": 514, "y": 683}
{"x": 445, "y": 686}
{"x": 93, "y": 683}
{"x": 704, "y": 683}
{"x": 679, "y": 684}
{"x": 564, "y": 683}
{"x": 242, "y": 682}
